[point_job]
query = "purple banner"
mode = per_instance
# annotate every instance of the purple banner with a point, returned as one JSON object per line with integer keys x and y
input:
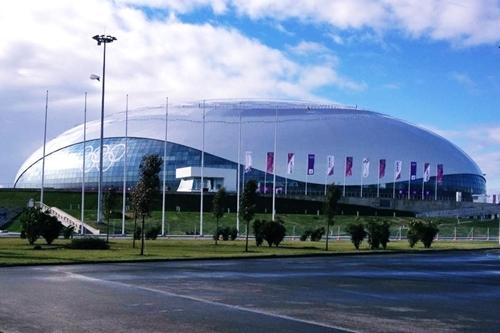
{"x": 413, "y": 170}
{"x": 381, "y": 169}
{"x": 440, "y": 173}
{"x": 270, "y": 162}
{"x": 310, "y": 164}
{"x": 348, "y": 166}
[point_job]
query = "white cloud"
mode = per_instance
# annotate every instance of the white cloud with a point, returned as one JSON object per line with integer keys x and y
{"x": 464, "y": 80}
{"x": 461, "y": 22}
{"x": 49, "y": 46}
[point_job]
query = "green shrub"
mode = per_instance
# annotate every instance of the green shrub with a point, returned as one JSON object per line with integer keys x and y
{"x": 152, "y": 233}
{"x": 422, "y": 231}
{"x": 357, "y": 232}
{"x": 226, "y": 233}
{"x": 50, "y": 227}
{"x": 317, "y": 234}
{"x": 274, "y": 232}
{"x": 88, "y": 243}
{"x": 305, "y": 235}
{"x": 258, "y": 231}
{"x": 68, "y": 232}
{"x": 378, "y": 234}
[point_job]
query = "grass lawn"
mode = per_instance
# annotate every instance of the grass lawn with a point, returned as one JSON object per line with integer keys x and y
{"x": 14, "y": 251}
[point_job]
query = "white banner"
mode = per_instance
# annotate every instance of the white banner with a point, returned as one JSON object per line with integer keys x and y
{"x": 330, "y": 165}
{"x": 290, "y": 163}
{"x": 248, "y": 161}
{"x": 366, "y": 167}
{"x": 427, "y": 172}
{"x": 398, "y": 166}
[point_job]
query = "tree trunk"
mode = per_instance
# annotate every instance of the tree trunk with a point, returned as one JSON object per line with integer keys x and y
{"x": 142, "y": 236}
{"x": 107, "y": 230}
{"x": 246, "y": 240}
{"x": 216, "y": 230}
{"x": 135, "y": 229}
{"x": 327, "y": 234}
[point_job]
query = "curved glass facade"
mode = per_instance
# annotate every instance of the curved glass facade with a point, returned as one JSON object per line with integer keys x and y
{"x": 63, "y": 170}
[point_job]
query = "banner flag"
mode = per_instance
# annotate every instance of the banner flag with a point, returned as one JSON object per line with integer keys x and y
{"x": 381, "y": 169}
{"x": 310, "y": 164}
{"x": 270, "y": 162}
{"x": 440, "y": 173}
{"x": 348, "y": 166}
{"x": 330, "y": 165}
{"x": 366, "y": 167}
{"x": 413, "y": 170}
{"x": 290, "y": 163}
{"x": 427, "y": 172}
{"x": 398, "y": 165}
{"x": 248, "y": 161}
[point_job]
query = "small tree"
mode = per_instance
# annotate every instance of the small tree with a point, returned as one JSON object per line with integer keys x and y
{"x": 135, "y": 211}
{"x": 332, "y": 198}
{"x": 109, "y": 202}
{"x": 357, "y": 232}
{"x": 248, "y": 206}
{"x": 384, "y": 234}
{"x": 219, "y": 207}
{"x": 30, "y": 226}
{"x": 146, "y": 188}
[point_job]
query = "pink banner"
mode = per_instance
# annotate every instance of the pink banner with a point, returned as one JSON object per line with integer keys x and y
{"x": 440, "y": 173}
{"x": 270, "y": 162}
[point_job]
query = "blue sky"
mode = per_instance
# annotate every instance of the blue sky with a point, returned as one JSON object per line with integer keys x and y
{"x": 432, "y": 63}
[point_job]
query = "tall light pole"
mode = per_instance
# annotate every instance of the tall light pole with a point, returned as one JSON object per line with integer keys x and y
{"x": 44, "y": 144}
{"x": 102, "y": 39}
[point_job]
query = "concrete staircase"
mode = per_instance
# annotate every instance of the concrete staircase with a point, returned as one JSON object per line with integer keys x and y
{"x": 68, "y": 220}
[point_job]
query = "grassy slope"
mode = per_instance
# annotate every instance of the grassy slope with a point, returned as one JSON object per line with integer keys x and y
{"x": 17, "y": 251}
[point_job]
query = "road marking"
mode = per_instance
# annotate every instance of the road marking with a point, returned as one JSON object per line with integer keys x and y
{"x": 205, "y": 301}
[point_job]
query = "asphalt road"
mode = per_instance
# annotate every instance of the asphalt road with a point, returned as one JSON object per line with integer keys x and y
{"x": 439, "y": 292}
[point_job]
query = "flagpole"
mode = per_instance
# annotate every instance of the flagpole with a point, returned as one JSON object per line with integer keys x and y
{"x": 274, "y": 164}
{"x": 361, "y": 192}
{"x": 286, "y": 185}
{"x": 238, "y": 185}
{"x": 44, "y": 144}
{"x": 345, "y": 170}
{"x": 265, "y": 177}
{"x": 164, "y": 204}
{"x": 125, "y": 167}
{"x": 305, "y": 190}
{"x": 436, "y": 185}
{"x": 82, "y": 218}
{"x": 378, "y": 181}
{"x": 202, "y": 167}
{"x": 394, "y": 183}
{"x": 409, "y": 180}
{"x": 423, "y": 183}
{"x": 326, "y": 178}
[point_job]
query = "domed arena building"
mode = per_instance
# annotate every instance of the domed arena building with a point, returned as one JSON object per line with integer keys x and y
{"x": 308, "y": 144}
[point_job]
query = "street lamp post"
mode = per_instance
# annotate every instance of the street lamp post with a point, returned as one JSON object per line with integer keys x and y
{"x": 102, "y": 39}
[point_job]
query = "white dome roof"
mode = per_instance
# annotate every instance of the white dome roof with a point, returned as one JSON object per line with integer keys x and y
{"x": 302, "y": 128}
